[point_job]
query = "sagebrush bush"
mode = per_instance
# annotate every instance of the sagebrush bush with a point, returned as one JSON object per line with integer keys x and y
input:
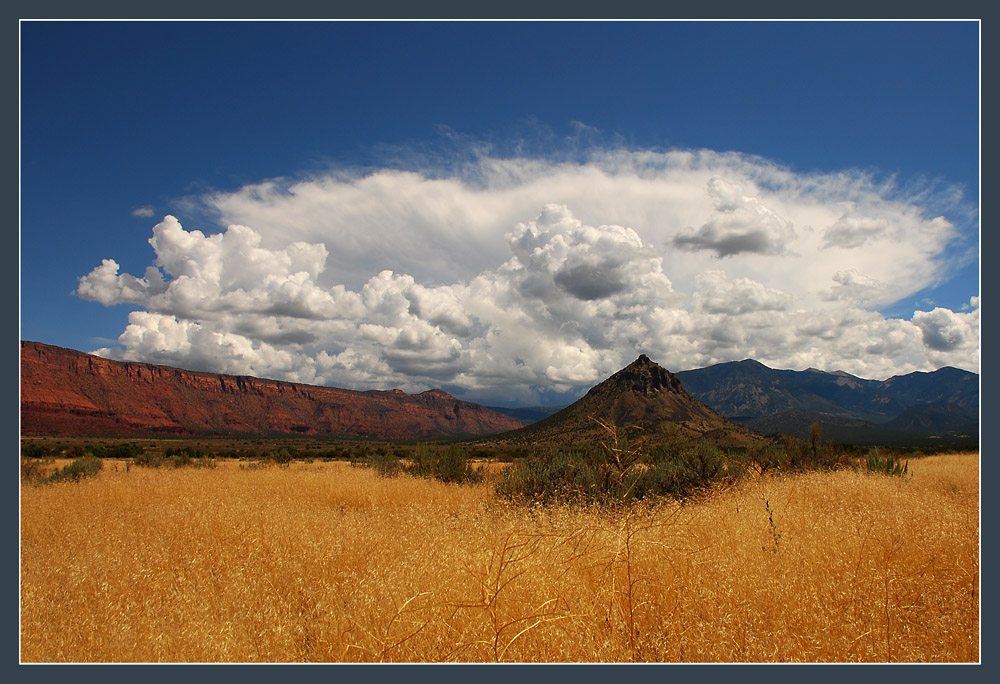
{"x": 448, "y": 464}
{"x": 176, "y": 458}
{"x": 618, "y": 471}
{"x": 148, "y": 460}
{"x": 87, "y": 466}
{"x": 760, "y": 458}
{"x": 31, "y": 450}
{"x": 122, "y": 451}
{"x": 553, "y": 476}
{"x": 281, "y": 456}
{"x": 384, "y": 463}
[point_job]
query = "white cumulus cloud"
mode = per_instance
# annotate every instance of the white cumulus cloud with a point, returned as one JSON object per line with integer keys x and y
{"x": 519, "y": 279}
{"x": 738, "y": 224}
{"x": 717, "y": 294}
{"x": 944, "y": 330}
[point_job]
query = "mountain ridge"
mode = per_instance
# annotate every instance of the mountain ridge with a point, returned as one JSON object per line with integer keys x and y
{"x": 67, "y": 392}
{"x": 903, "y": 408}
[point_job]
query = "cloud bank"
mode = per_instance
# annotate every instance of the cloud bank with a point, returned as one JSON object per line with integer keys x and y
{"x": 520, "y": 279}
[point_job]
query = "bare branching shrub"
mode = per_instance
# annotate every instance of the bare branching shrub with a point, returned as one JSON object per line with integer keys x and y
{"x": 31, "y": 469}
{"x": 507, "y": 619}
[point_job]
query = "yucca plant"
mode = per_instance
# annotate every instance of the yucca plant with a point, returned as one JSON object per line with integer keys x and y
{"x": 885, "y": 465}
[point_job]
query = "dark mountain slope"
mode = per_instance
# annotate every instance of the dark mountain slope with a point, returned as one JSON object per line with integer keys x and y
{"x": 934, "y": 418}
{"x": 851, "y": 409}
{"x": 946, "y": 385}
{"x": 749, "y": 389}
{"x": 643, "y": 395}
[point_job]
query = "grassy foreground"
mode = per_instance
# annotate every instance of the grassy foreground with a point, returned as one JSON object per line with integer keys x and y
{"x": 327, "y": 562}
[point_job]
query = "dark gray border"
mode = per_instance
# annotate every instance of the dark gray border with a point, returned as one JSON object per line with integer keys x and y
{"x": 511, "y": 9}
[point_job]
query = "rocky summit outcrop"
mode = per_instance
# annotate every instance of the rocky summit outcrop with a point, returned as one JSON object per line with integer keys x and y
{"x": 643, "y": 396}
{"x": 66, "y": 392}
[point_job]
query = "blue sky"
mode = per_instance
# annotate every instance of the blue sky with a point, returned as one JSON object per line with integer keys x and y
{"x": 680, "y": 188}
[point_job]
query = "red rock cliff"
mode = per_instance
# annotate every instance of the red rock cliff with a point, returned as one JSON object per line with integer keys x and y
{"x": 66, "y": 392}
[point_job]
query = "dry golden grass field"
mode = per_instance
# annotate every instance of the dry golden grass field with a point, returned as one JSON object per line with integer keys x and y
{"x": 328, "y": 562}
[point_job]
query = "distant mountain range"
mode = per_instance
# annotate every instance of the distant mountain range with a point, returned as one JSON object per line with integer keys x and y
{"x": 66, "y": 392}
{"x": 941, "y": 407}
{"x": 527, "y": 414}
{"x": 905, "y": 409}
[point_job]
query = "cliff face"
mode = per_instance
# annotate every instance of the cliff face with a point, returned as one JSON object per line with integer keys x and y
{"x": 66, "y": 392}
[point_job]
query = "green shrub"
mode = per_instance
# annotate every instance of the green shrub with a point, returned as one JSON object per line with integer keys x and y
{"x": 383, "y": 463}
{"x": 814, "y": 455}
{"x": 175, "y": 458}
{"x": 280, "y": 456}
{"x": 187, "y": 461}
{"x": 889, "y": 464}
{"x": 683, "y": 473}
{"x": 88, "y": 466}
{"x": 122, "y": 451}
{"x": 673, "y": 439}
{"x": 700, "y": 465}
{"x": 36, "y": 451}
{"x": 553, "y": 476}
{"x": 760, "y": 458}
{"x": 148, "y": 460}
{"x": 178, "y": 460}
{"x": 448, "y": 464}
{"x": 616, "y": 473}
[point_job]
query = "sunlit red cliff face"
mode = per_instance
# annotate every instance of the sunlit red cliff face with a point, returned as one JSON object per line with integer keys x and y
{"x": 66, "y": 392}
